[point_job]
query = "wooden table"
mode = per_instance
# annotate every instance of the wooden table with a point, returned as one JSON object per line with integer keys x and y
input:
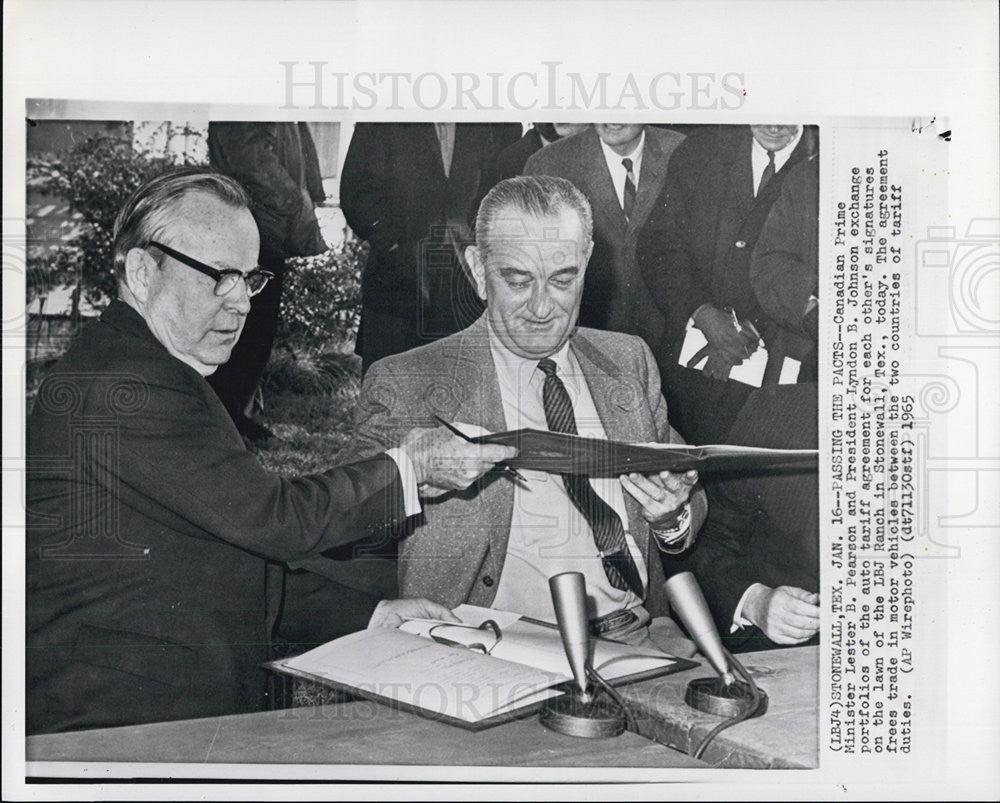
{"x": 355, "y": 733}
{"x": 365, "y": 733}
{"x": 787, "y": 736}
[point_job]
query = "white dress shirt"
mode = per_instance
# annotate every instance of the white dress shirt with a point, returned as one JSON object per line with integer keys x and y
{"x": 408, "y": 477}
{"x": 548, "y": 534}
{"x": 617, "y": 169}
{"x": 759, "y": 160}
{"x": 446, "y": 139}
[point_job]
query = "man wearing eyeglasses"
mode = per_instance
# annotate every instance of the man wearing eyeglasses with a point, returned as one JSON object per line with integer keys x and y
{"x": 149, "y": 596}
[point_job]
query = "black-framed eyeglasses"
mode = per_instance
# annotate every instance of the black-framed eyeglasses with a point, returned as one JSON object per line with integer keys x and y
{"x": 225, "y": 280}
{"x": 480, "y": 639}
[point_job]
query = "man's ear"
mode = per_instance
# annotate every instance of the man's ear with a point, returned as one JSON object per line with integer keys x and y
{"x": 478, "y": 269}
{"x": 139, "y": 265}
{"x": 587, "y": 252}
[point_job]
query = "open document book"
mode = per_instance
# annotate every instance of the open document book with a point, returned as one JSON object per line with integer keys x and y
{"x": 493, "y": 667}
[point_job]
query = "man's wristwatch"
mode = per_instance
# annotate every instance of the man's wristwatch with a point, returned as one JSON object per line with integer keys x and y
{"x": 676, "y": 528}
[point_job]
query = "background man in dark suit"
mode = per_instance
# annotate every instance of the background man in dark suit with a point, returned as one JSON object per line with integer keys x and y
{"x": 757, "y": 558}
{"x": 277, "y": 164}
{"x": 615, "y": 298}
{"x": 694, "y": 253}
{"x": 511, "y": 160}
{"x": 148, "y": 594}
{"x": 410, "y": 190}
{"x": 784, "y": 271}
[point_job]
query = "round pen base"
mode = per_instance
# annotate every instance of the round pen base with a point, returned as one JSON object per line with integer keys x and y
{"x": 713, "y": 696}
{"x": 588, "y": 717}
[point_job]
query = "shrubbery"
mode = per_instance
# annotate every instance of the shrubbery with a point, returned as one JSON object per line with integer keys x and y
{"x": 321, "y": 300}
{"x": 96, "y": 177}
{"x": 320, "y": 310}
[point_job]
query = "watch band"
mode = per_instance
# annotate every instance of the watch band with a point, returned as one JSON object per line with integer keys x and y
{"x": 668, "y": 536}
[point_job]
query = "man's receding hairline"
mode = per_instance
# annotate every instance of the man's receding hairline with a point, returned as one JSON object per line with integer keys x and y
{"x": 512, "y": 210}
{"x": 194, "y": 194}
{"x": 179, "y": 209}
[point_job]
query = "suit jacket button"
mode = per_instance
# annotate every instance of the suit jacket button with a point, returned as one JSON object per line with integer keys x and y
{"x": 741, "y": 243}
{"x": 487, "y": 581}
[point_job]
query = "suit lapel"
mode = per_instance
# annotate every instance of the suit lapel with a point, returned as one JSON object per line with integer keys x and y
{"x": 465, "y": 157}
{"x": 610, "y": 391}
{"x": 654, "y": 169}
{"x": 602, "y": 190}
{"x": 803, "y": 150}
{"x": 428, "y": 133}
{"x": 475, "y": 374}
{"x": 740, "y": 174}
{"x": 736, "y": 198}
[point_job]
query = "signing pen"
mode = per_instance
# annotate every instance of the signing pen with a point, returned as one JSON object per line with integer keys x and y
{"x": 740, "y": 330}
{"x": 510, "y": 471}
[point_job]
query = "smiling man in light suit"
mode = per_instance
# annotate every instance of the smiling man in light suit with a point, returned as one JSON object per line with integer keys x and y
{"x": 525, "y": 363}
{"x": 620, "y": 168}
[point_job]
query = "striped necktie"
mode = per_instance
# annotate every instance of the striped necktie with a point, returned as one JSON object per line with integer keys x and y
{"x": 605, "y": 524}
{"x": 629, "y": 199}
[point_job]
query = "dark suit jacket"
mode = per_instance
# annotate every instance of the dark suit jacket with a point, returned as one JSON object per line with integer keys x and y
{"x": 148, "y": 528}
{"x": 456, "y": 549}
{"x": 784, "y": 271}
{"x": 511, "y": 160}
{"x": 505, "y": 135}
{"x": 615, "y": 297}
{"x": 394, "y": 194}
{"x": 765, "y": 528}
{"x": 275, "y": 162}
{"x": 695, "y": 248}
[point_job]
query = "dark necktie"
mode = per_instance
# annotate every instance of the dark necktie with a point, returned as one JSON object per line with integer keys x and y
{"x": 629, "y": 201}
{"x": 609, "y": 534}
{"x": 768, "y": 173}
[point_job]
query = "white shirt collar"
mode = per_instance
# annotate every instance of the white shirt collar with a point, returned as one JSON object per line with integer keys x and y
{"x": 523, "y": 371}
{"x": 617, "y": 170}
{"x": 780, "y": 157}
{"x": 614, "y": 159}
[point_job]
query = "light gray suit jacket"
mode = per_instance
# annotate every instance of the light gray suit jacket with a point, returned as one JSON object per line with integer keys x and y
{"x": 615, "y": 296}
{"x": 456, "y": 549}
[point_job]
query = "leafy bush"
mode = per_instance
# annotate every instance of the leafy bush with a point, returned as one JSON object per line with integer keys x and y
{"x": 312, "y": 371}
{"x": 320, "y": 311}
{"x": 96, "y": 177}
{"x": 321, "y": 298}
